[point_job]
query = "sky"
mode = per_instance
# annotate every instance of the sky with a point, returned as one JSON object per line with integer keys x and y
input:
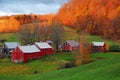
{"x": 14, "y": 7}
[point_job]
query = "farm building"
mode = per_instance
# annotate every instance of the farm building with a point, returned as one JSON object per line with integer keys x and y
{"x": 9, "y": 46}
{"x": 24, "y": 53}
{"x": 49, "y": 42}
{"x": 45, "y": 48}
{"x": 69, "y": 45}
{"x": 98, "y": 46}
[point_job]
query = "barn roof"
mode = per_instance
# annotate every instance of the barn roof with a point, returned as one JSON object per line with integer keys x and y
{"x": 29, "y": 49}
{"x": 11, "y": 45}
{"x": 43, "y": 45}
{"x": 72, "y": 43}
{"x": 98, "y": 43}
{"x": 49, "y": 41}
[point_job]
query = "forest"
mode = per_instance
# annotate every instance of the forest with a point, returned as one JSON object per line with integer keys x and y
{"x": 95, "y": 17}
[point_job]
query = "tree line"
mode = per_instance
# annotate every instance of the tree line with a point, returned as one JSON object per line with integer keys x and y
{"x": 96, "y": 17}
{"x": 12, "y": 23}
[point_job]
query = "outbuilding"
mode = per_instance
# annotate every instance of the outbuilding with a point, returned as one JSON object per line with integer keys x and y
{"x": 45, "y": 48}
{"x": 24, "y": 53}
{"x": 69, "y": 45}
{"x": 98, "y": 47}
{"x": 8, "y": 47}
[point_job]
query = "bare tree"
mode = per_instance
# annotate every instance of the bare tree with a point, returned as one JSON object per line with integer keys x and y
{"x": 56, "y": 35}
{"x": 44, "y": 32}
{"x": 29, "y": 33}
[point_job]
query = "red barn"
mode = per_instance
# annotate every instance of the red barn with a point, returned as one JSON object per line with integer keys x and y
{"x": 45, "y": 48}
{"x": 69, "y": 45}
{"x": 98, "y": 46}
{"x": 24, "y": 53}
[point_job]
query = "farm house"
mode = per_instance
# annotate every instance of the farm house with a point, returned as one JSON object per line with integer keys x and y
{"x": 45, "y": 48}
{"x": 98, "y": 46}
{"x": 24, "y": 53}
{"x": 69, "y": 45}
{"x": 9, "y": 46}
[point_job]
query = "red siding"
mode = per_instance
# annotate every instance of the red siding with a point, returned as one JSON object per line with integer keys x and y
{"x": 46, "y": 51}
{"x": 68, "y": 47}
{"x": 99, "y": 48}
{"x": 19, "y": 56}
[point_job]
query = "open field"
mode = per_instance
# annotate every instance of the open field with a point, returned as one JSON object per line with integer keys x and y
{"x": 70, "y": 34}
{"x": 103, "y": 66}
{"x": 73, "y": 35}
{"x": 12, "y": 37}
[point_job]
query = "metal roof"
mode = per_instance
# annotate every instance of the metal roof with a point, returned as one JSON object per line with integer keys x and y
{"x": 72, "y": 42}
{"x": 29, "y": 49}
{"x": 98, "y": 43}
{"x": 11, "y": 45}
{"x": 43, "y": 45}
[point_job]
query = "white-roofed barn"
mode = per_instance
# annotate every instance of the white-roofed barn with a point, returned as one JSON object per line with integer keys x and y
{"x": 98, "y": 46}
{"x": 45, "y": 48}
{"x": 24, "y": 53}
{"x": 69, "y": 45}
{"x": 9, "y": 46}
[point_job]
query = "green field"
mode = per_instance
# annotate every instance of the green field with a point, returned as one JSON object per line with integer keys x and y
{"x": 10, "y": 37}
{"x": 103, "y": 66}
{"x": 70, "y": 34}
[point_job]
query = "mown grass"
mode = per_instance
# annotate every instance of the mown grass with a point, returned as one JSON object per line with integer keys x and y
{"x": 71, "y": 34}
{"x": 10, "y": 37}
{"x": 40, "y": 65}
{"x": 103, "y": 66}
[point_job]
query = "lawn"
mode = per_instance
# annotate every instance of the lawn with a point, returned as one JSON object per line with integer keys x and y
{"x": 103, "y": 66}
{"x": 10, "y": 37}
{"x": 71, "y": 34}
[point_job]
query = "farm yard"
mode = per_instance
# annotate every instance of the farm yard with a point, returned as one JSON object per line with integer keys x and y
{"x": 60, "y": 40}
{"x": 102, "y": 66}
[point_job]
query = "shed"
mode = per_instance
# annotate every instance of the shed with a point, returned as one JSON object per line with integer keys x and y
{"x": 98, "y": 46}
{"x": 49, "y": 42}
{"x": 45, "y": 48}
{"x": 69, "y": 45}
{"x": 9, "y": 46}
{"x": 24, "y": 53}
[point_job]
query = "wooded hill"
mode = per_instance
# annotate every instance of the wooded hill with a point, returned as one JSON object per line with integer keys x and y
{"x": 96, "y": 17}
{"x": 12, "y": 23}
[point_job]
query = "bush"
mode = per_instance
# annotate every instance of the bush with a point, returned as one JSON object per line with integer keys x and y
{"x": 65, "y": 64}
{"x": 114, "y": 48}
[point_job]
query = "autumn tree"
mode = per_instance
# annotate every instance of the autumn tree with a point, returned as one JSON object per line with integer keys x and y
{"x": 56, "y": 35}
{"x": 83, "y": 55}
{"x": 29, "y": 33}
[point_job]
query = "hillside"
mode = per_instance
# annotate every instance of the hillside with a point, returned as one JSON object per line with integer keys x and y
{"x": 13, "y": 22}
{"x": 97, "y": 17}
{"x": 102, "y": 67}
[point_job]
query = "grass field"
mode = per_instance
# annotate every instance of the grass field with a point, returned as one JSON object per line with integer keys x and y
{"x": 10, "y": 37}
{"x": 70, "y": 34}
{"x": 103, "y": 66}
{"x": 73, "y": 35}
